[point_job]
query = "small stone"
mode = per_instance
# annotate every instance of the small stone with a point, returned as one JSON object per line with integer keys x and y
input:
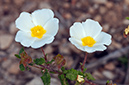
{"x": 44, "y": 5}
{"x": 97, "y": 75}
{"x": 91, "y": 10}
{"x": 109, "y": 4}
{"x": 29, "y": 6}
{"x": 66, "y": 5}
{"x": 54, "y": 81}
{"x": 126, "y": 2}
{"x": 6, "y": 63}
{"x": 35, "y": 81}
{"x": 12, "y": 28}
{"x": 108, "y": 74}
{"x": 126, "y": 22}
{"x": 98, "y": 18}
{"x": 5, "y": 41}
{"x": 116, "y": 44}
{"x": 68, "y": 16}
{"x": 2, "y": 54}
{"x": 100, "y": 1}
{"x": 109, "y": 66}
{"x": 48, "y": 49}
{"x": 18, "y": 2}
{"x": 14, "y": 68}
{"x": 106, "y": 27}
{"x": 102, "y": 10}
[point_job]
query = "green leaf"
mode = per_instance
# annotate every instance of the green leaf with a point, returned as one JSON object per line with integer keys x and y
{"x": 22, "y": 50}
{"x": 89, "y": 76}
{"x": 18, "y": 56}
{"x": 22, "y": 68}
{"x": 31, "y": 64}
{"x": 63, "y": 79}
{"x": 63, "y": 69}
{"x": 71, "y": 76}
{"x": 46, "y": 78}
{"x": 127, "y": 18}
{"x": 39, "y": 61}
{"x": 108, "y": 81}
{"x": 49, "y": 62}
{"x": 84, "y": 70}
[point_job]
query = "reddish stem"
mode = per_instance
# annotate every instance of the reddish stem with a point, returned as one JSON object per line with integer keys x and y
{"x": 91, "y": 83}
{"x": 82, "y": 67}
{"x": 44, "y": 54}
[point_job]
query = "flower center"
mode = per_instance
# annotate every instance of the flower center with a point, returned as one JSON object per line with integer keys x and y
{"x": 38, "y": 31}
{"x": 88, "y": 41}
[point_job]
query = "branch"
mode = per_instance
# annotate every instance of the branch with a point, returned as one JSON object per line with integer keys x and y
{"x": 104, "y": 60}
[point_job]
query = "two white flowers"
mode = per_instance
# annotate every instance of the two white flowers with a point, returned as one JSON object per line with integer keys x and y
{"x": 40, "y": 27}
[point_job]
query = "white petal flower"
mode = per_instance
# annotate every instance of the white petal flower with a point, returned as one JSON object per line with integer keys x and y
{"x": 36, "y": 29}
{"x": 87, "y": 36}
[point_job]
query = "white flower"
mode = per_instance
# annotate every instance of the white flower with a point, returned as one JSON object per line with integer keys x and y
{"x": 36, "y": 29}
{"x": 87, "y": 36}
{"x": 80, "y": 78}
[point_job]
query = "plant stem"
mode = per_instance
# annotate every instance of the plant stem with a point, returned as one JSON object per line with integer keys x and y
{"x": 44, "y": 54}
{"x": 82, "y": 67}
{"x": 50, "y": 69}
{"x": 42, "y": 67}
{"x": 91, "y": 83}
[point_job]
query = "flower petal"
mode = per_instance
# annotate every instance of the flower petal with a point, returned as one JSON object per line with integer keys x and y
{"x": 77, "y": 31}
{"x": 92, "y": 28}
{"x": 78, "y": 44}
{"x": 95, "y": 48}
{"x": 47, "y": 39}
{"x": 24, "y": 38}
{"x": 24, "y": 22}
{"x": 103, "y": 38}
{"x": 40, "y": 17}
{"x": 52, "y": 26}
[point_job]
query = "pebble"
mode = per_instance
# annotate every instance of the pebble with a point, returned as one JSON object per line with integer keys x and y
{"x": 12, "y": 28}
{"x": 5, "y": 41}
{"x": 35, "y": 81}
{"x": 29, "y": 6}
{"x": 18, "y": 2}
{"x": 44, "y": 5}
{"x": 126, "y": 22}
{"x": 100, "y": 1}
{"x": 110, "y": 66}
{"x": 6, "y": 63}
{"x": 14, "y": 68}
{"x": 67, "y": 16}
{"x": 127, "y": 2}
{"x": 49, "y": 49}
{"x": 109, "y": 4}
{"x": 116, "y": 44}
{"x": 38, "y": 81}
{"x": 108, "y": 74}
{"x": 102, "y": 10}
{"x": 106, "y": 27}
{"x": 98, "y": 18}
{"x": 2, "y": 54}
{"x": 97, "y": 75}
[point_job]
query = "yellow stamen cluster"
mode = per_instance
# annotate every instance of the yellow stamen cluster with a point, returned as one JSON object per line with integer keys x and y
{"x": 88, "y": 41}
{"x": 38, "y": 31}
{"x": 127, "y": 31}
